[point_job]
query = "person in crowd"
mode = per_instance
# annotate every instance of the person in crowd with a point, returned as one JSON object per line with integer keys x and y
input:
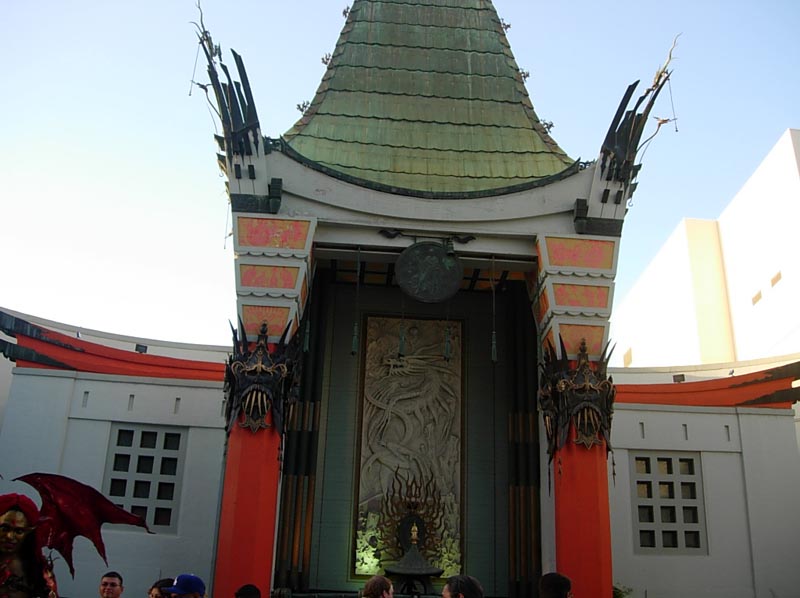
{"x": 186, "y": 585}
{"x": 378, "y": 586}
{"x": 555, "y": 585}
{"x": 155, "y": 590}
{"x": 248, "y": 591}
{"x": 24, "y": 572}
{"x": 462, "y": 586}
{"x": 111, "y": 585}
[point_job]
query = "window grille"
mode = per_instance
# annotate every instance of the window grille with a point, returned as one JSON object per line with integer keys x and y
{"x": 667, "y": 498}
{"x": 144, "y": 472}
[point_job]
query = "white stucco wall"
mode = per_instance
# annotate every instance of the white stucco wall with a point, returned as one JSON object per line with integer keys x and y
{"x": 47, "y": 428}
{"x": 772, "y": 478}
{"x": 751, "y": 478}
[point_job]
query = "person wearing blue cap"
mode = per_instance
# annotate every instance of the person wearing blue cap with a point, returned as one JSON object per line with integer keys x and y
{"x": 187, "y": 585}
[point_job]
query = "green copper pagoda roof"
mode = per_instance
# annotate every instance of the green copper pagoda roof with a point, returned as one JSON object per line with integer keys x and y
{"x": 424, "y": 97}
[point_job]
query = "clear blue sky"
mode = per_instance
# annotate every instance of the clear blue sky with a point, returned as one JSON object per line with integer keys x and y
{"x": 113, "y": 214}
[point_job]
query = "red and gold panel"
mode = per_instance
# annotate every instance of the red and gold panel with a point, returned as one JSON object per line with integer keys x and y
{"x": 580, "y": 253}
{"x": 549, "y": 340}
{"x": 346, "y": 277}
{"x": 273, "y": 277}
{"x": 581, "y": 295}
{"x": 531, "y": 279}
{"x": 303, "y": 294}
{"x": 541, "y": 307}
{"x": 572, "y": 334}
{"x": 540, "y": 253}
{"x": 272, "y": 233}
{"x": 269, "y": 276}
{"x": 276, "y": 317}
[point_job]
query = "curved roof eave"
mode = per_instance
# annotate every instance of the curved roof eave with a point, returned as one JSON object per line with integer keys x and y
{"x": 293, "y": 154}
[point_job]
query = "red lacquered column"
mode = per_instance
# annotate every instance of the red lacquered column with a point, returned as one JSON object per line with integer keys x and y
{"x": 248, "y": 515}
{"x": 583, "y": 523}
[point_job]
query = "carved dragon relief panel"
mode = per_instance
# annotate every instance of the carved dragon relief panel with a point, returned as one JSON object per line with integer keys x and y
{"x": 411, "y": 426}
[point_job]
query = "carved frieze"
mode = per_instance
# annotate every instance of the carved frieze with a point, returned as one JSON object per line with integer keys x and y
{"x": 411, "y": 427}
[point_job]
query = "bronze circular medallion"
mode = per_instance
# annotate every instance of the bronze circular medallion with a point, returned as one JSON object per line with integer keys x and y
{"x": 428, "y": 273}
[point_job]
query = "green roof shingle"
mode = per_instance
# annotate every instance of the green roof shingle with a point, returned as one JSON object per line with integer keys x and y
{"x": 425, "y": 98}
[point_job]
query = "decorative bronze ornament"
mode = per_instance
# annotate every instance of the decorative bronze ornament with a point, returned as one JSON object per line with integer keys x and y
{"x": 260, "y": 382}
{"x": 412, "y": 520}
{"x": 428, "y": 272}
{"x": 582, "y": 396}
{"x": 414, "y": 570}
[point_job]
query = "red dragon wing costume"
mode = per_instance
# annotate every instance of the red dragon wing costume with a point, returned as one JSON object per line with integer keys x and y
{"x": 70, "y": 509}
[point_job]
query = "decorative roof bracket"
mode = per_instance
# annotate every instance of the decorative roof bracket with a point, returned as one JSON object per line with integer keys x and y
{"x": 603, "y": 210}
{"x": 579, "y": 396}
{"x": 235, "y": 105}
{"x": 260, "y": 383}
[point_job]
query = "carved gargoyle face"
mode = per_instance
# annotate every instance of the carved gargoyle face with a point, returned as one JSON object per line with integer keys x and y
{"x": 579, "y": 395}
{"x": 257, "y": 383}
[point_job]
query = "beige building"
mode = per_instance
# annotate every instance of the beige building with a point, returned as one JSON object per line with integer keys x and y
{"x": 722, "y": 290}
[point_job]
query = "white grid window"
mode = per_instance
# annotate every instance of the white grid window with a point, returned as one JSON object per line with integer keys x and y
{"x": 667, "y": 498}
{"x": 144, "y": 471}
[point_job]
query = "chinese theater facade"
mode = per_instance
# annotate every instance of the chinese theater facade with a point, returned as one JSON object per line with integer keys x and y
{"x": 418, "y": 385}
{"x": 415, "y": 247}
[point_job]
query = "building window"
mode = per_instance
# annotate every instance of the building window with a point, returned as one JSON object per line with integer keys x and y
{"x": 667, "y": 499}
{"x": 627, "y": 359}
{"x": 144, "y": 470}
